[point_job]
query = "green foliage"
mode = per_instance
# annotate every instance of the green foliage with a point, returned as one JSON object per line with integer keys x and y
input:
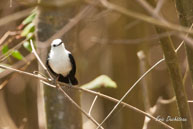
{"x": 29, "y": 19}
{"x": 16, "y": 54}
{"x": 5, "y": 49}
{"x": 101, "y": 81}
{"x": 27, "y": 45}
{"x": 30, "y": 28}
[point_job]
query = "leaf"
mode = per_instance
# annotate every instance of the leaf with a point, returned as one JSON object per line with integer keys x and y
{"x": 27, "y": 46}
{"x": 5, "y": 49}
{"x": 101, "y": 81}
{"x": 29, "y": 28}
{"x": 16, "y": 54}
{"x": 29, "y": 19}
{"x": 29, "y": 35}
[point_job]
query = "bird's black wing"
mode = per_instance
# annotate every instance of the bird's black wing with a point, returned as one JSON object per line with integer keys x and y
{"x": 73, "y": 70}
{"x": 71, "y": 75}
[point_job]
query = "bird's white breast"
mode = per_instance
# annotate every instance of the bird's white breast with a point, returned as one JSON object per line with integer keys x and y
{"x": 59, "y": 61}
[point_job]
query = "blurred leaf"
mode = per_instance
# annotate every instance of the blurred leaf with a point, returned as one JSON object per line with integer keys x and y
{"x": 29, "y": 35}
{"x": 5, "y": 49}
{"x": 27, "y": 46}
{"x": 29, "y": 28}
{"x": 29, "y": 19}
{"x": 101, "y": 81}
{"x": 16, "y": 54}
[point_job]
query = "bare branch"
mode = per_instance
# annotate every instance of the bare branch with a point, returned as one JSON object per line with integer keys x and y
{"x": 159, "y": 6}
{"x": 8, "y": 33}
{"x": 15, "y": 16}
{"x": 74, "y": 21}
{"x": 92, "y": 105}
{"x": 132, "y": 87}
{"x": 76, "y": 105}
{"x": 23, "y": 72}
{"x": 38, "y": 58}
{"x": 145, "y": 18}
{"x": 92, "y": 92}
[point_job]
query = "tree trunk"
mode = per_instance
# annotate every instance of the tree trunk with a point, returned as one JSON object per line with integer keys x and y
{"x": 54, "y": 109}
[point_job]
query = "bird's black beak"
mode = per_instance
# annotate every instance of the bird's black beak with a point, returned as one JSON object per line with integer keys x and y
{"x": 58, "y": 44}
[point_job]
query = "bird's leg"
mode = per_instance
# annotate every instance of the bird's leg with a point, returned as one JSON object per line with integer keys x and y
{"x": 56, "y": 82}
{"x": 69, "y": 81}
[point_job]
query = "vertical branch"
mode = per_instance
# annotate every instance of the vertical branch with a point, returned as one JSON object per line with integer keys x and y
{"x": 185, "y": 12}
{"x": 143, "y": 66}
{"x": 175, "y": 74}
{"x": 176, "y": 78}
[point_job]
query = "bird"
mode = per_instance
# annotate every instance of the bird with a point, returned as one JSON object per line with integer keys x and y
{"x": 61, "y": 63}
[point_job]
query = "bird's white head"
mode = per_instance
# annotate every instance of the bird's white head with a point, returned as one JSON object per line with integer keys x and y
{"x": 57, "y": 43}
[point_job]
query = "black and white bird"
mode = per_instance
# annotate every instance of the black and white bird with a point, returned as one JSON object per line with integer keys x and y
{"x": 61, "y": 63}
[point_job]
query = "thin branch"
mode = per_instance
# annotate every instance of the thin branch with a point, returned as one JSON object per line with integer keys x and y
{"x": 145, "y": 18}
{"x": 110, "y": 113}
{"x": 132, "y": 87}
{"x": 15, "y": 16}
{"x": 132, "y": 41}
{"x": 76, "y": 105}
{"x": 159, "y": 6}
{"x": 23, "y": 72}
{"x": 143, "y": 66}
{"x": 38, "y": 58}
{"x": 17, "y": 65}
{"x": 74, "y": 21}
{"x": 3, "y": 84}
{"x": 7, "y": 34}
{"x": 148, "y": 19}
{"x": 93, "y": 93}
{"x": 92, "y": 105}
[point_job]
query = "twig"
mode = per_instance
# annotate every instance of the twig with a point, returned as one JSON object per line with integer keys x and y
{"x": 132, "y": 41}
{"x": 3, "y": 84}
{"x": 15, "y": 16}
{"x": 145, "y": 18}
{"x": 10, "y": 3}
{"x": 4, "y": 37}
{"x": 73, "y": 102}
{"x": 143, "y": 63}
{"x": 74, "y": 21}
{"x": 23, "y": 72}
{"x": 159, "y": 6}
{"x": 17, "y": 65}
{"x": 110, "y": 113}
{"x": 94, "y": 93}
{"x": 38, "y": 58}
{"x": 92, "y": 105}
{"x": 148, "y": 19}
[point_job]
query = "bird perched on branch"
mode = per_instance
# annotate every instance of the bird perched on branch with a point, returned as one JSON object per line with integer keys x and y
{"x": 61, "y": 63}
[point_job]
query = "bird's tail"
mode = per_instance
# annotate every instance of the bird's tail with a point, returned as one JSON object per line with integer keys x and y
{"x": 73, "y": 80}
{"x": 68, "y": 79}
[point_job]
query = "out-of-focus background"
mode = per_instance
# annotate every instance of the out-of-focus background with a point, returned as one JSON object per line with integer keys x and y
{"x": 103, "y": 42}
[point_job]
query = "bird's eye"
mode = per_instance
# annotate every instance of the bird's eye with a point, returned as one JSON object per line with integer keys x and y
{"x": 54, "y": 45}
